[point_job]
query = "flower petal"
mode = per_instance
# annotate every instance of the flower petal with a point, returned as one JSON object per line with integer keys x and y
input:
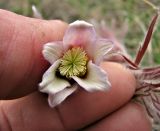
{"x": 101, "y": 48}
{"x": 55, "y": 99}
{"x": 53, "y": 51}
{"x": 79, "y": 33}
{"x": 50, "y": 83}
{"x": 96, "y": 79}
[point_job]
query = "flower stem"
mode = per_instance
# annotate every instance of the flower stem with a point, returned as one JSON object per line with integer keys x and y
{"x": 147, "y": 40}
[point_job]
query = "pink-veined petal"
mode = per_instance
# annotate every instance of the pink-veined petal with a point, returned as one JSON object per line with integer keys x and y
{"x": 96, "y": 79}
{"x": 79, "y": 33}
{"x": 101, "y": 48}
{"x": 51, "y": 84}
{"x": 52, "y": 51}
{"x": 59, "y": 97}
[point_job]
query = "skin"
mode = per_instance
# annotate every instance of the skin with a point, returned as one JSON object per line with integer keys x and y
{"x": 22, "y": 107}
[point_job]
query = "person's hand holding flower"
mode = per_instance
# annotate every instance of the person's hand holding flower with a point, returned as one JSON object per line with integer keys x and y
{"x": 23, "y": 107}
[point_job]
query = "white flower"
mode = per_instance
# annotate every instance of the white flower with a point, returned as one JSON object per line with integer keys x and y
{"x": 75, "y": 63}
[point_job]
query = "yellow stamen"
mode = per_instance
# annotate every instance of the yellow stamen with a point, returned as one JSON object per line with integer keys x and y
{"x": 74, "y": 63}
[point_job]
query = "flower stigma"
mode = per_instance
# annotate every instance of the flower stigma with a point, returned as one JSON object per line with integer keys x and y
{"x": 74, "y": 63}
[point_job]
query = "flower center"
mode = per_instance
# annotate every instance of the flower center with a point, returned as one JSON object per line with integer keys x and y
{"x": 74, "y": 63}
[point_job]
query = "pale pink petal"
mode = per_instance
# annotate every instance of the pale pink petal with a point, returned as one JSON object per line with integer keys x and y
{"x": 79, "y": 33}
{"x": 59, "y": 97}
{"x": 53, "y": 51}
{"x": 101, "y": 48}
{"x": 50, "y": 82}
{"x": 96, "y": 79}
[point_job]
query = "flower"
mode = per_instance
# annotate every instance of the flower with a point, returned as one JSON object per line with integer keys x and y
{"x": 75, "y": 61}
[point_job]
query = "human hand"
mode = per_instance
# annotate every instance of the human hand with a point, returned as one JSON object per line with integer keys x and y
{"x": 22, "y": 107}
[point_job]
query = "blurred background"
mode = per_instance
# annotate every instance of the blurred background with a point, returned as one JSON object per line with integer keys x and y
{"x": 128, "y": 19}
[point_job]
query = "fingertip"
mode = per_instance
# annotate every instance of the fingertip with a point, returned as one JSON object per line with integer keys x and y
{"x": 53, "y": 30}
{"x": 22, "y": 64}
{"x": 120, "y": 77}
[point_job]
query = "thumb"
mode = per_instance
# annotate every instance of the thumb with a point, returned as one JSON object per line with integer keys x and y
{"x": 21, "y": 62}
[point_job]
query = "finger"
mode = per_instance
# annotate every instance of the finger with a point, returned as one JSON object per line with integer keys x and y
{"x": 21, "y": 62}
{"x": 79, "y": 110}
{"x": 84, "y": 108}
{"x": 30, "y": 113}
{"x": 131, "y": 117}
